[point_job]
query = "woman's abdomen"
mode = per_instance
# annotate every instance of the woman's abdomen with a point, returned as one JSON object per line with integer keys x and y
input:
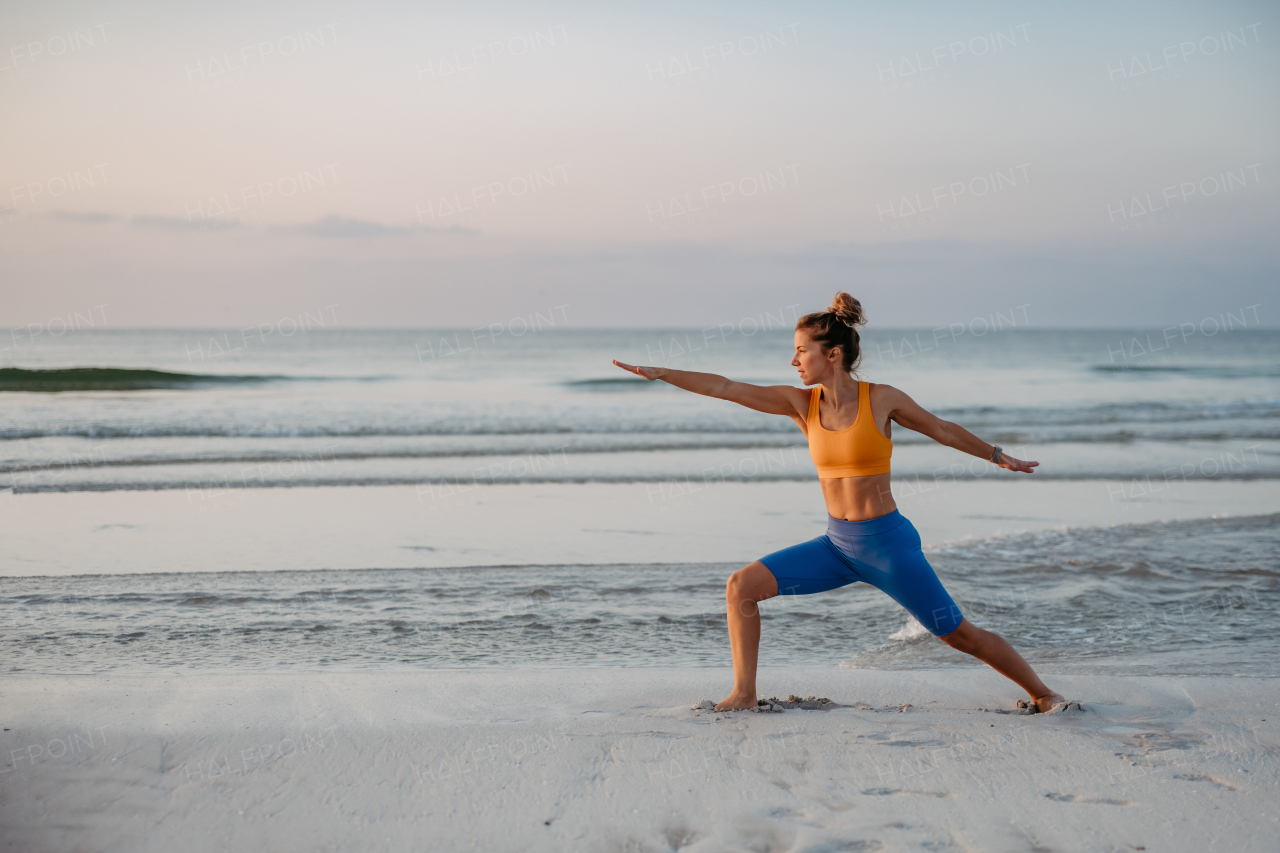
{"x": 858, "y": 498}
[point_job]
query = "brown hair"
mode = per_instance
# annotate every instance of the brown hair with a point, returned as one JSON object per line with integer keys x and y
{"x": 835, "y": 327}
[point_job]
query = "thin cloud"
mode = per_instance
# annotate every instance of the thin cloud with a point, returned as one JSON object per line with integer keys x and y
{"x": 343, "y": 227}
{"x": 180, "y": 223}
{"x": 347, "y": 227}
{"x": 98, "y": 217}
{"x": 89, "y": 217}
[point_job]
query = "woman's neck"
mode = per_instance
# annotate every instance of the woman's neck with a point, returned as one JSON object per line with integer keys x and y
{"x": 840, "y": 389}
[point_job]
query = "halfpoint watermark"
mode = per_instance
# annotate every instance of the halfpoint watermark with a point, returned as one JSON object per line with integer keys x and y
{"x": 480, "y": 56}
{"x": 1175, "y": 336}
{"x": 250, "y": 759}
{"x": 256, "y": 335}
{"x": 669, "y": 348}
{"x": 947, "y": 196}
{"x": 73, "y": 42}
{"x": 257, "y": 54}
{"x": 1143, "y": 68}
{"x": 688, "y": 207}
{"x": 715, "y": 56}
{"x": 951, "y": 334}
{"x": 444, "y": 346}
{"x": 910, "y": 70}
{"x": 489, "y": 193}
{"x": 1132, "y": 215}
{"x": 55, "y": 327}
{"x": 58, "y": 185}
{"x": 258, "y": 193}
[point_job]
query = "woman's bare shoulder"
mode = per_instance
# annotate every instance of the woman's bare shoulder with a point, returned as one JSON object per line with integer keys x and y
{"x": 880, "y": 391}
{"x": 799, "y": 397}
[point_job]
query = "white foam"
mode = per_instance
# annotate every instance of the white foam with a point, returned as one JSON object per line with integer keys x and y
{"x": 913, "y": 630}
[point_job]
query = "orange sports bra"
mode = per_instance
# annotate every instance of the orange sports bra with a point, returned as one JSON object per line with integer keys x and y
{"x": 859, "y": 451}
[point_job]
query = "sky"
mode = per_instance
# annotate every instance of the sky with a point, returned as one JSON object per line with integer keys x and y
{"x": 642, "y": 164}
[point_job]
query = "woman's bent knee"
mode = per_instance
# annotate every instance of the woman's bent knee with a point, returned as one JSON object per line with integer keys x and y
{"x": 751, "y": 583}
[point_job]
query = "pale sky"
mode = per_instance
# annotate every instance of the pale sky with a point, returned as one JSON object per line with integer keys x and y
{"x": 645, "y": 165}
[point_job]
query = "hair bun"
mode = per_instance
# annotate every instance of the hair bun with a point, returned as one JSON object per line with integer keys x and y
{"x": 847, "y": 310}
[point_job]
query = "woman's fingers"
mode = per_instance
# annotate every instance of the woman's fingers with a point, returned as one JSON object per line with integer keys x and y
{"x": 638, "y": 371}
{"x": 1018, "y": 465}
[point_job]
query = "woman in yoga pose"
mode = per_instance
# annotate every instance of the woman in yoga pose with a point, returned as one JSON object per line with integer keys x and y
{"x": 847, "y": 423}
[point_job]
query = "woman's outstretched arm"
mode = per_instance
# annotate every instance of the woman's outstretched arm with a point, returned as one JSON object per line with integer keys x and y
{"x": 771, "y": 399}
{"x": 909, "y": 413}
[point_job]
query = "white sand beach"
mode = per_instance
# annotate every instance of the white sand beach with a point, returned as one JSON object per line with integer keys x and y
{"x": 599, "y": 759}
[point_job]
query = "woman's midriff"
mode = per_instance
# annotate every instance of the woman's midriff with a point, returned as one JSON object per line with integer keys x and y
{"x": 858, "y": 498}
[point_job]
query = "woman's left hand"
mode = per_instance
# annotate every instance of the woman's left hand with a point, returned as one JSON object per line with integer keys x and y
{"x": 1007, "y": 461}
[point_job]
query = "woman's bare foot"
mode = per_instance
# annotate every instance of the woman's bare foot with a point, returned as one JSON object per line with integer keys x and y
{"x": 737, "y": 702}
{"x": 1048, "y": 700}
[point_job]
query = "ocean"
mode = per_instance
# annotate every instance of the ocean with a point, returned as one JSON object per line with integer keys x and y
{"x": 220, "y": 412}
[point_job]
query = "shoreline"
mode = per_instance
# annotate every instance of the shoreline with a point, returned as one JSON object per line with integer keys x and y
{"x": 141, "y": 532}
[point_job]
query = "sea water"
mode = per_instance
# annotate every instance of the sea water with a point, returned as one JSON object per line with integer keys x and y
{"x": 226, "y": 410}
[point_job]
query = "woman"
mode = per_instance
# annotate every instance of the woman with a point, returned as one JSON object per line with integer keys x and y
{"x": 847, "y": 423}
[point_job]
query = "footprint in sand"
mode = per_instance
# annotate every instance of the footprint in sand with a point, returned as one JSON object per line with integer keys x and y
{"x": 1194, "y": 777}
{"x": 762, "y": 707}
{"x": 1026, "y": 707}
{"x": 885, "y": 792}
{"x": 810, "y": 703}
{"x": 858, "y": 846}
{"x": 1158, "y": 741}
{"x": 679, "y": 835}
{"x": 1076, "y": 798}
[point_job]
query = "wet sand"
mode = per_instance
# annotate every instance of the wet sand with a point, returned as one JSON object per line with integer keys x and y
{"x": 356, "y": 527}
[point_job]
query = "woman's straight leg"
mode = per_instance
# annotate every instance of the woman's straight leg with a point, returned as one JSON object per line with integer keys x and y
{"x": 996, "y": 652}
{"x": 892, "y": 560}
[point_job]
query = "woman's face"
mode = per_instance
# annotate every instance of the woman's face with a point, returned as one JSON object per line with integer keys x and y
{"x": 813, "y": 364}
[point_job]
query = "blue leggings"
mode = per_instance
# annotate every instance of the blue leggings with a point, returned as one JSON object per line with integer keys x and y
{"x": 884, "y": 552}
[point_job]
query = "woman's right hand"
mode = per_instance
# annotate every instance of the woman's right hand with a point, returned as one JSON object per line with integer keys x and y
{"x": 649, "y": 373}
{"x": 1007, "y": 461}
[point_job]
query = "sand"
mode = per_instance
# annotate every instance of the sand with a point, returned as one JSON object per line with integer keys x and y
{"x": 83, "y": 533}
{"x": 600, "y": 759}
